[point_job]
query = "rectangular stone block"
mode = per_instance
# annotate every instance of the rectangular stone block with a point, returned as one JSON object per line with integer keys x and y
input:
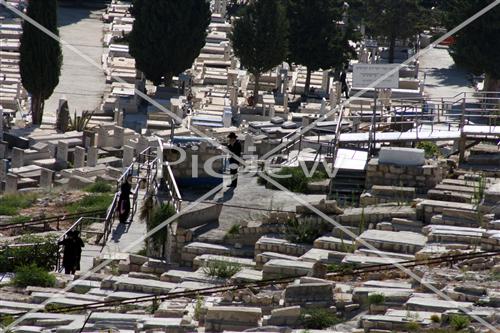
{"x": 401, "y": 156}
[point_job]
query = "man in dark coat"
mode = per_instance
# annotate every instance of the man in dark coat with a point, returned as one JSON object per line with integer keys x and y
{"x": 72, "y": 252}
{"x": 343, "y": 82}
{"x": 124, "y": 200}
{"x": 234, "y": 147}
{"x": 78, "y": 248}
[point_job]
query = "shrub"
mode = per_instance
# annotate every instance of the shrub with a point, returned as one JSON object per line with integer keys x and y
{"x": 198, "y": 307}
{"x": 459, "y": 322}
{"x": 20, "y": 219}
{"x": 159, "y": 215}
{"x": 412, "y": 326}
{"x": 435, "y": 318}
{"x": 33, "y": 275}
{"x": 342, "y": 268}
{"x": 234, "y": 230}
{"x": 318, "y": 319}
{"x": 153, "y": 307}
{"x": 430, "y": 148}
{"x": 479, "y": 190}
{"x": 6, "y": 320}
{"x": 99, "y": 186}
{"x": 376, "y": 299}
{"x": 91, "y": 202}
{"x": 10, "y": 204}
{"x": 303, "y": 233}
{"x": 221, "y": 269}
{"x": 142, "y": 252}
{"x": 43, "y": 254}
{"x": 298, "y": 181}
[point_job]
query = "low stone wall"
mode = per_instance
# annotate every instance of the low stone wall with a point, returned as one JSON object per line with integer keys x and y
{"x": 280, "y": 268}
{"x": 192, "y": 250}
{"x": 426, "y": 209}
{"x": 309, "y": 294}
{"x": 279, "y": 245}
{"x": 383, "y": 194}
{"x": 198, "y": 155}
{"x": 422, "y": 178}
{"x": 228, "y": 318}
{"x": 374, "y": 214}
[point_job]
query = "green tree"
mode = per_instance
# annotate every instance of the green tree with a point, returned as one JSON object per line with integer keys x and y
{"x": 316, "y": 39}
{"x": 235, "y": 7}
{"x": 41, "y": 56}
{"x": 477, "y": 46}
{"x": 260, "y": 37}
{"x": 167, "y": 36}
{"x": 394, "y": 20}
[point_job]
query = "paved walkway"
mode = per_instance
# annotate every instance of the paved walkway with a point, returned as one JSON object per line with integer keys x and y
{"x": 82, "y": 83}
{"x": 247, "y": 194}
{"x": 122, "y": 236}
{"x": 443, "y": 78}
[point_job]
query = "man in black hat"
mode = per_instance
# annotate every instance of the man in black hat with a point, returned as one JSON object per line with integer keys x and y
{"x": 234, "y": 147}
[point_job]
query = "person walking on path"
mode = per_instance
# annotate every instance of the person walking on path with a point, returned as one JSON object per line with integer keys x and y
{"x": 72, "y": 252}
{"x": 234, "y": 147}
{"x": 124, "y": 200}
{"x": 78, "y": 248}
{"x": 343, "y": 82}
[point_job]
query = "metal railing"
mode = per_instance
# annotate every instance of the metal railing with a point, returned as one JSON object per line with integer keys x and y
{"x": 46, "y": 222}
{"x": 78, "y": 226}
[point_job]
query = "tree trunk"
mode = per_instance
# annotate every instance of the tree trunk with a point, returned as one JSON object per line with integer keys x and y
{"x": 308, "y": 82}
{"x": 392, "y": 49}
{"x": 256, "y": 88}
{"x": 491, "y": 83}
{"x": 36, "y": 109}
{"x": 168, "y": 80}
{"x": 491, "y": 101}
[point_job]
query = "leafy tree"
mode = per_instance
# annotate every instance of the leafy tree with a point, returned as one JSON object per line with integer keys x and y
{"x": 260, "y": 37}
{"x": 41, "y": 56}
{"x": 316, "y": 39}
{"x": 235, "y": 7}
{"x": 167, "y": 36}
{"x": 394, "y": 20}
{"x": 477, "y": 46}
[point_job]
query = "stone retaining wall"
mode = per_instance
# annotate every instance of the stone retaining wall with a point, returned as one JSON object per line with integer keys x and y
{"x": 227, "y": 318}
{"x": 422, "y": 178}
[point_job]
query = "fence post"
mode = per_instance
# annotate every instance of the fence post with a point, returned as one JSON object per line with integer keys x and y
{"x": 462, "y": 141}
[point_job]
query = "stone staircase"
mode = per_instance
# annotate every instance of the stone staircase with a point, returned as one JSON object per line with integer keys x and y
{"x": 347, "y": 186}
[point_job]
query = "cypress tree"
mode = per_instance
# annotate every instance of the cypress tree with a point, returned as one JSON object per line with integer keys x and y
{"x": 41, "y": 56}
{"x": 394, "y": 20}
{"x": 316, "y": 39}
{"x": 167, "y": 36}
{"x": 260, "y": 37}
{"x": 477, "y": 46}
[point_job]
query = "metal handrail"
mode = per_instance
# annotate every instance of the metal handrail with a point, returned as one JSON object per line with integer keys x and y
{"x": 48, "y": 220}
{"x": 78, "y": 225}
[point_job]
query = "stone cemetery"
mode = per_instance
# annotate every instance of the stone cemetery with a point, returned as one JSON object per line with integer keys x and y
{"x": 389, "y": 220}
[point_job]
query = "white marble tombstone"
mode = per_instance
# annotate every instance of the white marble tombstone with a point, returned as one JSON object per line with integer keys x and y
{"x": 92, "y": 156}
{"x": 128, "y": 156}
{"x": 46, "y": 178}
{"x": 118, "y": 136}
{"x": 17, "y": 157}
{"x": 79, "y": 157}
{"x": 11, "y": 183}
{"x": 102, "y": 137}
{"x": 62, "y": 151}
{"x": 4, "y": 169}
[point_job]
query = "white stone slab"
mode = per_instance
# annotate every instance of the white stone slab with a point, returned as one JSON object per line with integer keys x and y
{"x": 401, "y": 156}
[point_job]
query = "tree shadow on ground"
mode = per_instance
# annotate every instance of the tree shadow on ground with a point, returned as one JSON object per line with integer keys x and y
{"x": 71, "y": 12}
{"x": 451, "y": 76}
